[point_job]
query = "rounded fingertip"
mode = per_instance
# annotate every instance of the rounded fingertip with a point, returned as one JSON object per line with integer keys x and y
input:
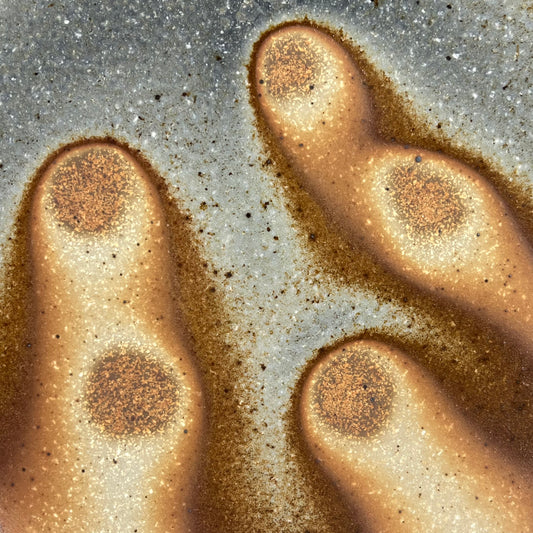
{"x": 129, "y": 393}
{"x": 305, "y": 80}
{"x": 350, "y": 392}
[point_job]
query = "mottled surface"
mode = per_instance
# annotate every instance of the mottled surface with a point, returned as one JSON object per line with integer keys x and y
{"x": 90, "y": 189}
{"x": 427, "y": 200}
{"x": 353, "y": 393}
{"x": 290, "y": 69}
{"x": 128, "y": 394}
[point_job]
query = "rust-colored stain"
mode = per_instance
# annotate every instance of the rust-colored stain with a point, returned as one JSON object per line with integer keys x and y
{"x": 90, "y": 186}
{"x": 291, "y": 68}
{"x": 204, "y": 486}
{"x": 353, "y": 393}
{"x": 427, "y": 200}
{"x": 392, "y": 475}
{"x": 331, "y": 150}
{"x": 129, "y": 394}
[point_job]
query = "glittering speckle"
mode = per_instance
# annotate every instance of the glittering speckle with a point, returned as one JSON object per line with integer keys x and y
{"x": 291, "y": 68}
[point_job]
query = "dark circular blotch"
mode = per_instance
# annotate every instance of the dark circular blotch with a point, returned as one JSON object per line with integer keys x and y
{"x": 354, "y": 393}
{"x": 427, "y": 200}
{"x": 89, "y": 188}
{"x": 130, "y": 394}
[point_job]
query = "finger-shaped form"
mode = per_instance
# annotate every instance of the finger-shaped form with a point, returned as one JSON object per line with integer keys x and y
{"x": 400, "y": 452}
{"x": 117, "y": 410}
{"x": 311, "y": 94}
{"x": 429, "y": 218}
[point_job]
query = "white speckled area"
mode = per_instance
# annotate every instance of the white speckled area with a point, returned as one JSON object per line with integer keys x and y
{"x": 169, "y": 78}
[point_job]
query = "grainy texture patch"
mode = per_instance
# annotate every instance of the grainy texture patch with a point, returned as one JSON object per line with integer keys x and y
{"x": 354, "y": 394}
{"x": 427, "y": 201}
{"x": 291, "y": 68}
{"x": 129, "y": 394}
{"x": 90, "y": 189}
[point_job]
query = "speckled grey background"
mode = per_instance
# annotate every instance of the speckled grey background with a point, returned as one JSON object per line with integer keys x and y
{"x": 170, "y": 78}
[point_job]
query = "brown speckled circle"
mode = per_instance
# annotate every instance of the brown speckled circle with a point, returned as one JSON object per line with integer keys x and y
{"x": 129, "y": 394}
{"x": 426, "y": 200}
{"x": 353, "y": 393}
{"x": 89, "y": 189}
{"x": 291, "y": 67}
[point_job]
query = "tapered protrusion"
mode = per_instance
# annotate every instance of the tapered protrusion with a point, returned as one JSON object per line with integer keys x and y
{"x": 400, "y": 452}
{"x": 311, "y": 95}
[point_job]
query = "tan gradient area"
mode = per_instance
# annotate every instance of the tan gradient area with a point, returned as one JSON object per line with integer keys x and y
{"x": 429, "y": 218}
{"x": 116, "y": 420}
{"x": 354, "y": 396}
{"x": 421, "y": 467}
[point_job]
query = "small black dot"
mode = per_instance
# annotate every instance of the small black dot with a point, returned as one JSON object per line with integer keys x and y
{"x": 418, "y": 159}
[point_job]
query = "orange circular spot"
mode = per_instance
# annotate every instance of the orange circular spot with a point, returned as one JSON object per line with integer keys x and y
{"x": 89, "y": 188}
{"x": 426, "y": 200}
{"x": 129, "y": 394}
{"x": 291, "y": 67}
{"x": 353, "y": 393}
